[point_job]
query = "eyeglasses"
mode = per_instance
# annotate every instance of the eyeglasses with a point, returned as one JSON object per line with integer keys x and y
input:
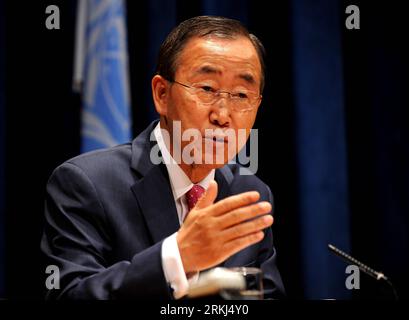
{"x": 241, "y": 101}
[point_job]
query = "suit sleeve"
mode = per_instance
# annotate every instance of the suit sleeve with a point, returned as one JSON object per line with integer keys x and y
{"x": 267, "y": 259}
{"x": 77, "y": 240}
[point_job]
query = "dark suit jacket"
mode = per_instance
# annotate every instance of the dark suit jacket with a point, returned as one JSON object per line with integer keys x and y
{"x": 107, "y": 214}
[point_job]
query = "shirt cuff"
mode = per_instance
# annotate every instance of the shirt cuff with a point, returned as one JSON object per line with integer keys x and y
{"x": 173, "y": 267}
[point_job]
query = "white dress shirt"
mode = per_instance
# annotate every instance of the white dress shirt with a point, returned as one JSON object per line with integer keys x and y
{"x": 180, "y": 183}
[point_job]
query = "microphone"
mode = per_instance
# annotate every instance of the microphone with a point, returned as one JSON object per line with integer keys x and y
{"x": 363, "y": 267}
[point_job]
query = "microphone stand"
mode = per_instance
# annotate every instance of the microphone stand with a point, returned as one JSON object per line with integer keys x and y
{"x": 369, "y": 271}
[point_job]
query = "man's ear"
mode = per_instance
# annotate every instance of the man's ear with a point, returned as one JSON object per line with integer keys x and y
{"x": 160, "y": 92}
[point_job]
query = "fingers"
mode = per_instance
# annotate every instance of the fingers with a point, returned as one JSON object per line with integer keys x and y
{"x": 238, "y": 244}
{"x": 247, "y": 228}
{"x": 242, "y": 214}
{"x": 208, "y": 197}
{"x": 234, "y": 202}
{"x": 216, "y": 231}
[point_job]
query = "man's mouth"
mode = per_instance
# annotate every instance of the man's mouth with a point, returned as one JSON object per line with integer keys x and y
{"x": 223, "y": 139}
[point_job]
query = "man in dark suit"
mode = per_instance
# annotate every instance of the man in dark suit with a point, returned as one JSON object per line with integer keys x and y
{"x": 121, "y": 225}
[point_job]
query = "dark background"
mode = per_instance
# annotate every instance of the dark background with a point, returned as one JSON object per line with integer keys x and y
{"x": 333, "y": 131}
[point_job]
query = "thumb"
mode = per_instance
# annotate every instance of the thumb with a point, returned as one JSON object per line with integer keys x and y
{"x": 208, "y": 197}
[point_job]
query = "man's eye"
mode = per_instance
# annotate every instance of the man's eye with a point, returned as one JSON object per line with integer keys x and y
{"x": 241, "y": 95}
{"x": 207, "y": 88}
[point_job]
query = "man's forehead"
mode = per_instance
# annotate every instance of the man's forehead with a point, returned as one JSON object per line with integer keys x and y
{"x": 241, "y": 46}
{"x": 221, "y": 55}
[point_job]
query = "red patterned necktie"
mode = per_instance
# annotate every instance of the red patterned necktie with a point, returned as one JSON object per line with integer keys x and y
{"x": 193, "y": 195}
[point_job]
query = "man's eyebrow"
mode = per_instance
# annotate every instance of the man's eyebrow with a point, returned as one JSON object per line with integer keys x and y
{"x": 247, "y": 77}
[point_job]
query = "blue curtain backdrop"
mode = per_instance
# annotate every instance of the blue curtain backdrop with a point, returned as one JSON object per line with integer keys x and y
{"x": 333, "y": 142}
{"x": 234, "y": 9}
{"x": 320, "y": 144}
{"x": 159, "y": 26}
{"x": 377, "y": 101}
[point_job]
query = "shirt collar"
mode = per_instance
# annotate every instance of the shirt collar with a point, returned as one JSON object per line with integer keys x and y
{"x": 179, "y": 181}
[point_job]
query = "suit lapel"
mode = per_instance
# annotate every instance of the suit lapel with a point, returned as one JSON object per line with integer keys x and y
{"x": 154, "y": 195}
{"x": 155, "y": 198}
{"x": 153, "y": 191}
{"x": 223, "y": 177}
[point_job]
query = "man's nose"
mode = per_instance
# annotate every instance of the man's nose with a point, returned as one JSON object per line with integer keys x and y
{"x": 220, "y": 112}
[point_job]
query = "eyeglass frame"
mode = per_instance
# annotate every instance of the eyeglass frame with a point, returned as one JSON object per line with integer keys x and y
{"x": 217, "y": 96}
